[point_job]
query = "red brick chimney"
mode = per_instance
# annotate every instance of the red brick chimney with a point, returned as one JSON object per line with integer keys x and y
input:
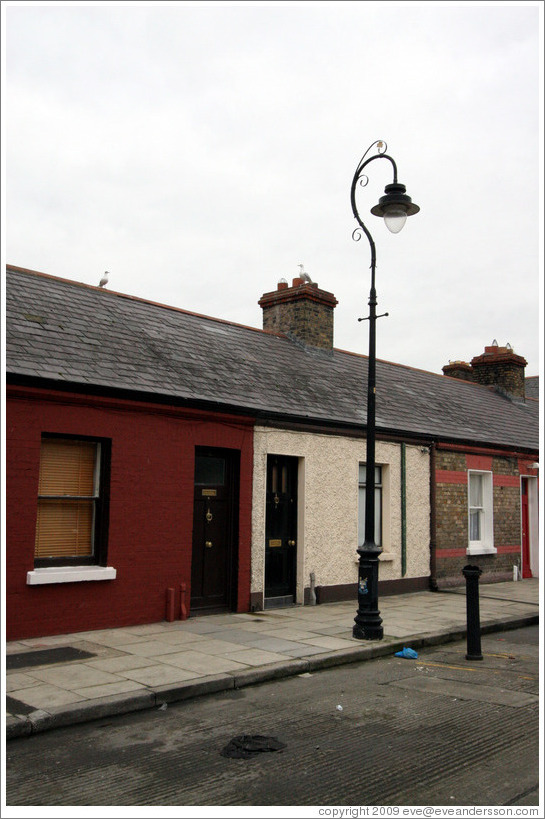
{"x": 303, "y": 312}
{"x": 501, "y": 367}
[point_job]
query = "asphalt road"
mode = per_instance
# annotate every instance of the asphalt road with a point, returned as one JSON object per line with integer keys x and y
{"x": 439, "y": 730}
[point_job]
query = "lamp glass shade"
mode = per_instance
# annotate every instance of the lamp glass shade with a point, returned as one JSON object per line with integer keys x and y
{"x": 395, "y": 217}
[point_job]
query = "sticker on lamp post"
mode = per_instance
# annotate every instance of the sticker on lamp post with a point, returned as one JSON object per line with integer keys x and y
{"x": 363, "y": 589}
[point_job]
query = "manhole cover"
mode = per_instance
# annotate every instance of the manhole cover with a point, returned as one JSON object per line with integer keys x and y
{"x": 248, "y": 745}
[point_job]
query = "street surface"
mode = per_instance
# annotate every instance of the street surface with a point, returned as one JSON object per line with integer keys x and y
{"x": 438, "y": 730}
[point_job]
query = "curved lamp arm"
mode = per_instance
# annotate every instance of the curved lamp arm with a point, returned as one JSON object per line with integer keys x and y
{"x": 394, "y": 206}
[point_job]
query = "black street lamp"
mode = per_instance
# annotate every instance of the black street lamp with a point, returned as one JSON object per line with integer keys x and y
{"x": 394, "y": 206}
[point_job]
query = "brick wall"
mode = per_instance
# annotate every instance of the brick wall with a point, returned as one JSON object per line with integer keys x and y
{"x": 452, "y": 515}
{"x": 151, "y": 508}
{"x": 502, "y": 374}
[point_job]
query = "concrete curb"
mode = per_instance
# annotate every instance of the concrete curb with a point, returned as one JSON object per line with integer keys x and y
{"x": 62, "y": 716}
{"x": 193, "y": 688}
{"x": 274, "y": 671}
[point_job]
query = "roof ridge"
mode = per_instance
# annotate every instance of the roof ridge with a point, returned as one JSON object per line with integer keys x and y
{"x": 411, "y": 368}
{"x": 142, "y": 300}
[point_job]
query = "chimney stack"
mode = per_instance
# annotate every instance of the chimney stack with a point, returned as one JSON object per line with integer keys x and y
{"x": 459, "y": 369}
{"x": 501, "y": 367}
{"x": 303, "y": 312}
{"x": 498, "y": 367}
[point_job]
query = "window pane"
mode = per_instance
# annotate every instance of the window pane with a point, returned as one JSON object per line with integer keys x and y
{"x": 67, "y": 467}
{"x": 209, "y": 471}
{"x": 64, "y": 528}
{"x": 363, "y": 474}
{"x": 378, "y": 512}
{"x": 475, "y": 490}
{"x": 475, "y": 525}
{"x": 361, "y": 516}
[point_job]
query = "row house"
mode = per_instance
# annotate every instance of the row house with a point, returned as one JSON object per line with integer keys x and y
{"x": 164, "y": 464}
{"x": 493, "y": 488}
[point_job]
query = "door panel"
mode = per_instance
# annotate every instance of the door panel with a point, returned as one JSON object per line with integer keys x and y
{"x": 281, "y": 526}
{"x": 213, "y": 578}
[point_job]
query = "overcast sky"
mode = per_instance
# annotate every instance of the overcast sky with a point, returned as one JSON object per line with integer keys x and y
{"x": 200, "y": 152}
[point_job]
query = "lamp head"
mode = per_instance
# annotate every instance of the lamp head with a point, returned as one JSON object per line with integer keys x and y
{"x": 395, "y": 206}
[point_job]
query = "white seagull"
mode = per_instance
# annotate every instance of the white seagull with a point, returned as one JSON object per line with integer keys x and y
{"x": 303, "y": 275}
{"x": 104, "y": 279}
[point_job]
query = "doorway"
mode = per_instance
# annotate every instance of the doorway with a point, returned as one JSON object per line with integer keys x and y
{"x": 529, "y": 527}
{"x": 281, "y": 530}
{"x": 215, "y": 530}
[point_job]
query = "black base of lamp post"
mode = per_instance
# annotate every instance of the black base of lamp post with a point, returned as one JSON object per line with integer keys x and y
{"x": 368, "y": 622}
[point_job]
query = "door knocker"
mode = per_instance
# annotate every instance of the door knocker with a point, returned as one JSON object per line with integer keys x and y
{"x": 209, "y": 515}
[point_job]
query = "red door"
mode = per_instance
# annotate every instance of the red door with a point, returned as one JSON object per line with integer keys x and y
{"x": 526, "y": 571}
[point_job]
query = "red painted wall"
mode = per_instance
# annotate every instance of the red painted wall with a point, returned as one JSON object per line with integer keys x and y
{"x": 151, "y": 508}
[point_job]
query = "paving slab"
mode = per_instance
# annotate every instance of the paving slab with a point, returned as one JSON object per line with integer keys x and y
{"x": 201, "y": 663}
{"x": 154, "y": 675}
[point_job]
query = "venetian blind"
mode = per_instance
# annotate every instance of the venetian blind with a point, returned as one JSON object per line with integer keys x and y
{"x": 66, "y": 493}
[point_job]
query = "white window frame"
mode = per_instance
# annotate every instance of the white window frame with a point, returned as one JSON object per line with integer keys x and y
{"x": 484, "y": 544}
{"x": 74, "y": 569}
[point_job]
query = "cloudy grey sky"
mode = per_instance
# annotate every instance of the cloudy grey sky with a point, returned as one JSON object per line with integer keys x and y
{"x": 201, "y": 151}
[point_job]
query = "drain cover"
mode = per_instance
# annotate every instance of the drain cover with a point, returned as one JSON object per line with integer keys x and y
{"x": 248, "y": 745}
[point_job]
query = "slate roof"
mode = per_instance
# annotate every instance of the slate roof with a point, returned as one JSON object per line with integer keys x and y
{"x": 75, "y": 334}
{"x": 531, "y": 386}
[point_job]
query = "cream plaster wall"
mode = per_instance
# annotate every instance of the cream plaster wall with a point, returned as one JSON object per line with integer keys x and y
{"x": 328, "y": 506}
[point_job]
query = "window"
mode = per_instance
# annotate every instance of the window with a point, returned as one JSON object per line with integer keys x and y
{"x": 480, "y": 517}
{"x": 72, "y": 502}
{"x": 378, "y": 505}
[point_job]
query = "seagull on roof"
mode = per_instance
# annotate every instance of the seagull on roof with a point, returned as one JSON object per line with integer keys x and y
{"x": 303, "y": 274}
{"x": 104, "y": 279}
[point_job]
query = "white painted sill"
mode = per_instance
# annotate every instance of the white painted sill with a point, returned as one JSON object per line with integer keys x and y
{"x": 384, "y": 557}
{"x": 69, "y": 574}
{"x": 481, "y": 549}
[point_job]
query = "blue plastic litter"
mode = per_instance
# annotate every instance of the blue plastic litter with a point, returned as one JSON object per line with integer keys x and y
{"x": 407, "y": 654}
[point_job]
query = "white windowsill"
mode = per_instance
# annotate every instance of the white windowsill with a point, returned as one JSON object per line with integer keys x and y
{"x": 384, "y": 557}
{"x": 69, "y": 574}
{"x": 481, "y": 549}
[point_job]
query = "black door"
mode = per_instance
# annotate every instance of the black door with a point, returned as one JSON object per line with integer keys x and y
{"x": 281, "y": 528}
{"x": 215, "y": 534}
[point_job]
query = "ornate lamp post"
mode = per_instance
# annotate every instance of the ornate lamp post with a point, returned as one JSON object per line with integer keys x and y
{"x": 394, "y": 206}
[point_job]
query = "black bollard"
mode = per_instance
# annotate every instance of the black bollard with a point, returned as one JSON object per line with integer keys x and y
{"x": 472, "y": 574}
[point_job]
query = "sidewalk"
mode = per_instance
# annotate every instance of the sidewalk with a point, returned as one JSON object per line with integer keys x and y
{"x": 73, "y": 678}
